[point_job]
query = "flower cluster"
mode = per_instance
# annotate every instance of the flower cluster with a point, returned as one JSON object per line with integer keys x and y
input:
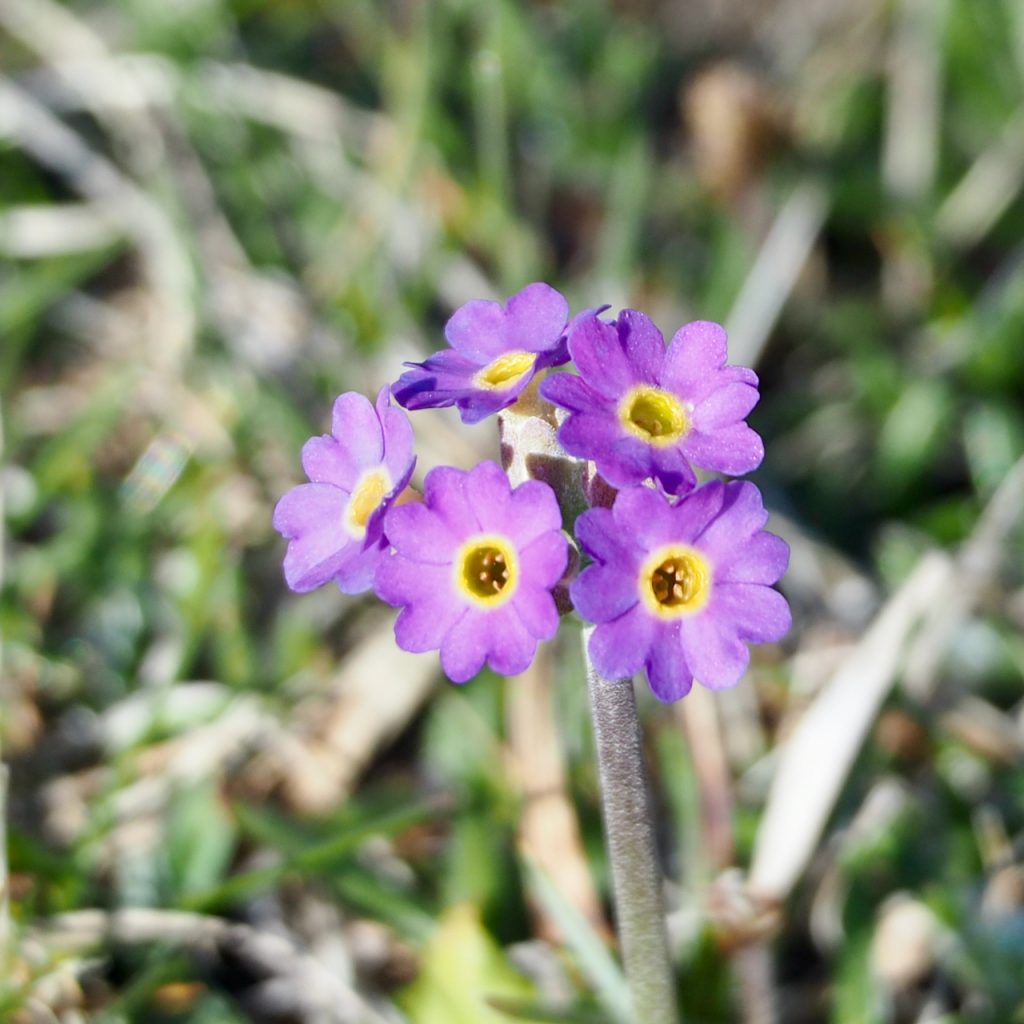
{"x": 680, "y": 574}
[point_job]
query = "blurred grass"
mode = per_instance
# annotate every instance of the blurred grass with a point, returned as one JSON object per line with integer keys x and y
{"x": 388, "y": 162}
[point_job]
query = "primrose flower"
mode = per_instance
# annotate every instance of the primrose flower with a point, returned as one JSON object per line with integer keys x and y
{"x": 334, "y": 523}
{"x": 640, "y": 410}
{"x": 473, "y": 568}
{"x": 680, "y": 589}
{"x": 495, "y": 352}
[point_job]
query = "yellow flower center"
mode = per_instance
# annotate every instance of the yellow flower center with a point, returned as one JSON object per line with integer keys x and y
{"x": 506, "y": 371}
{"x": 367, "y": 495}
{"x": 657, "y": 417}
{"x": 487, "y": 570}
{"x": 675, "y": 582}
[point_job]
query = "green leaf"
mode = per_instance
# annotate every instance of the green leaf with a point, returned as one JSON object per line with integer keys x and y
{"x": 201, "y": 838}
{"x": 593, "y": 956}
{"x": 462, "y": 970}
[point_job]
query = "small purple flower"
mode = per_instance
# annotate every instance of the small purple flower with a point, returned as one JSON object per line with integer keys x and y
{"x": 640, "y": 410}
{"x": 473, "y": 569}
{"x": 334, "y": 524}
{"x": 681, "y": 589}
{"x": 495, "y": 352}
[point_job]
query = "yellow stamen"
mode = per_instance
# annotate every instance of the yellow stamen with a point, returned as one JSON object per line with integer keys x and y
{"x": 655, "y": 416}
{"x": 486, "y": 570}
{"x": 506, "y": 371}
{"x": 368, "y": 493}
{"x": 675, "y": 581}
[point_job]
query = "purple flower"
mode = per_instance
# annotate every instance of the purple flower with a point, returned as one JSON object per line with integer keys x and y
{"x": 334, "y": 524}
{"x": 473, "y": 569}
{"x": 640, "y": 410}
{"x": 495, "y": 352}
{"x": 680, "y": 589}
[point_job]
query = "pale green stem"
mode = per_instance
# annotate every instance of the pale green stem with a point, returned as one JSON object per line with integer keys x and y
{"x": 629, "y": 832}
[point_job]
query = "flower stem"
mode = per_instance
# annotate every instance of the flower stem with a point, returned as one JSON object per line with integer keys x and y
{"x": 629, "y": 832}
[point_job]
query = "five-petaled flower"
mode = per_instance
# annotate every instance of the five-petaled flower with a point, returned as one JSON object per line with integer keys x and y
{"x": 334, "y": 523}
{"x": 473, "y": 567}
{"x": 680, "y": 589}
{"x": 495, "y": 352}
{"x": 641, "y": 411}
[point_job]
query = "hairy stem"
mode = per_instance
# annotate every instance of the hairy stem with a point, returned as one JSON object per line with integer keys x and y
{"x": 629, "y": 832}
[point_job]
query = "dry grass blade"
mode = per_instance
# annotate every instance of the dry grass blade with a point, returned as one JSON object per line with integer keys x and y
{"x": 911, "y": 146}
{"x": 775, "y": 272}
{"x": 817, "y": 757}
{"x": 34, "y": 232}
{"x": 168, "y": 269}
{"x": 332, "y": 738}
{"x": 986, "y": 190}
{"x": 549, "y": 834}
{"x": 699, "y": 717}
{"x": 977, "y": 564}
{"x": 203, "y": 752}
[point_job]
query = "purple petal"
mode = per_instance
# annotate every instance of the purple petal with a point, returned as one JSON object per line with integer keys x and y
{"x": 310, "y": 516}
{"x": 554, "y": 356}
{"x": 742, "y": 515}
{"x": 399, "y": 580}
{"x": 478, "y": 405}
{"x": 716, "y": 655}
{"x": 444, "y": 491}
{"x": 536, "y": 608}
{"x": 326, "y": 461}
{"x": 477, "y": 331}
{"x": 420, "y": 534}
{"x": 600, "y": 537}
{"x": 310, "y": 507}
{"x": 672, "y": 470}
{"x": 692, "y": 360}
{"x": 356, "y": 575}
{"x": 398, "y": 440}
{"x": 440, "y": 381}
{"x": 430, "y": 608}
{"x": 734, "y": 450}
{"x": 629, "y": 461}
{"x": 314, "y": 560}
{"x": 724, "y": 406}
{"x": 487, "y": 487}
{"x": 762, "y": 559}
{"x": 572, "y": 392}
{"x": 588, "y": 435}
{"x": 603, "y": 593}
{"x": 532, "y": 512}
{"x": 668, "y": 674}
{"x": 544, "y": 559}
{"x": 597, "y": 351}
{"x": 355, "y": 424}
{"x": 618, "y": 648}
{"x": 693, "y": 514}
{"x": 536, "y": 318}
{"x": 758, "y": 614}
{"x": 644, "y": 344}
{"x": 465, "y": 646}
{"x": 422, "y": 627}
{"x": 645, "y": 514}
{"x": 511, "y": 646}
